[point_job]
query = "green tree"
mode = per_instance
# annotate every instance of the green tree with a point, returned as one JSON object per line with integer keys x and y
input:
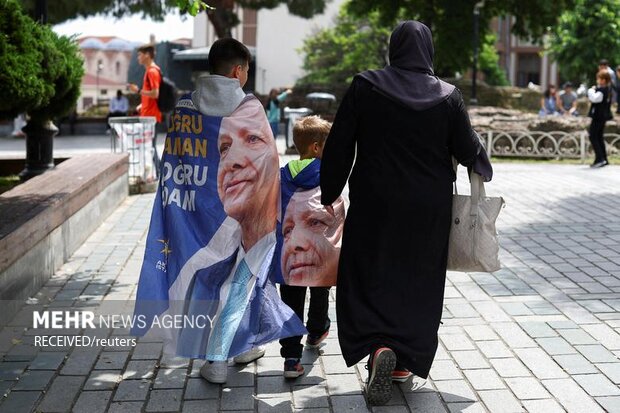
{"x": 334, "y": 55}
{"x": 451, "y": 22}
{"x": 494, "y": 75}
{"x": 221, "y": 13}
{"x": 585, "y": 35}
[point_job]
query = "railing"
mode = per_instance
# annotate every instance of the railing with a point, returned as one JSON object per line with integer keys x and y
{"x": 538, "y": 144}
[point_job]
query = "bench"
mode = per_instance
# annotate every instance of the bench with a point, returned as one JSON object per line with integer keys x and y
{"x": 44, "y": 220}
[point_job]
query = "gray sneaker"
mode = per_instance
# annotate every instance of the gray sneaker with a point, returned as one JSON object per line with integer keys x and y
{"x": 215, "y": 372}
{"x": 250, "y": 355}
{"x": 380, "y": 367}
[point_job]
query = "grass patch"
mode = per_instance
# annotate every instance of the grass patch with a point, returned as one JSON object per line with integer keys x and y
{"x": 8, "y": 182}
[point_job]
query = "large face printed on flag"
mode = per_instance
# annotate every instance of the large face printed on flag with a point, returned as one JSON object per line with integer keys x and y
{"x": 215, "y": 212}
{"x": 312, "y": 237}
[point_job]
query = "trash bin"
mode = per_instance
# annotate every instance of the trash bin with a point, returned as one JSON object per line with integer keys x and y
{"x": 134, "y": 135}
{"x": 292, "y": 114}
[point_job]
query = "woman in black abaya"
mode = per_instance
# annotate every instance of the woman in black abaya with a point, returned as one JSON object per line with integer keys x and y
{"x": 402, "y": 125}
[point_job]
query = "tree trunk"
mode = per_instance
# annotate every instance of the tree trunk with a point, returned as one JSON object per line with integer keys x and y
{"x": 221, "y": 19}
{"x": 39, "y": 148}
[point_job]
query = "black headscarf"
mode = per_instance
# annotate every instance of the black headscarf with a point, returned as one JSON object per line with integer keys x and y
{"x": 409, "y": 78}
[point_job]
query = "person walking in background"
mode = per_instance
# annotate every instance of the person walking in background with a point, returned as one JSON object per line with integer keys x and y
{"x": 273, "y": 108}
{"x": 402, "y": 126}
{"x": 119, "y": 106}
{"x": 149, "y": 92}
{"x": 304, "y": 256}
{"x": 600, "y": 112}
{"x": 567, "y": 100}
{"x": 548, "y": 103}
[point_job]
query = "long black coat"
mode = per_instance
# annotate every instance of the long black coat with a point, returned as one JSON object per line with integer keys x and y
{"x": 392, "y": 267}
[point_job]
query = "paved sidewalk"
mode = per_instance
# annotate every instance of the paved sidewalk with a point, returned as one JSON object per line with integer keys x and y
{"x": 541, "y": 335}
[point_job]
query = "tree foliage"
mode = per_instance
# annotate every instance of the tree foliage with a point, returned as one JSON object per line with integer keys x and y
{"x": 334, "y": 55}
{"x": 452, "y": 22}
{"x": 489, "y": 63}
{"x": 585, "y": 35}
{"x": 40, "y": 72}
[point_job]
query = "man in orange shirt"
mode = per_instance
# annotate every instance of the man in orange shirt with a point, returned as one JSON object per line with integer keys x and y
{"x": 149, "y": 91}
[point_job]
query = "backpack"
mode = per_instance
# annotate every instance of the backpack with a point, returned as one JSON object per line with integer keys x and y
{"x": 167, "y": 99}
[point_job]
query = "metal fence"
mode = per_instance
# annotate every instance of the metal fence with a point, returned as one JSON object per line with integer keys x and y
{"x": 538, "y": 144}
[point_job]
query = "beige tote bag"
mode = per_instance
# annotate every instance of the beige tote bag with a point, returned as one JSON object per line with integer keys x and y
{"x": 474, "y": 246}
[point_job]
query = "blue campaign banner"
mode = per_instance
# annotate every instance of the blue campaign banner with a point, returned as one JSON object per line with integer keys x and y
{"x": 308, "y": 235}
{"x": 209, "y": 253}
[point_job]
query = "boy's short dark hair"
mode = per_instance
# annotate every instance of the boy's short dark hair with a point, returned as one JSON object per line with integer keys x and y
{"x": 148, "y": 49}
{"x": 226, "y": 54}
{"x": 603, "y": 62}
{"x": 308, "y": 130}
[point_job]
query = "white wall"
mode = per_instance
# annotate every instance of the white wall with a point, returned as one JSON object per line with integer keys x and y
{"x": 279, "y": 35}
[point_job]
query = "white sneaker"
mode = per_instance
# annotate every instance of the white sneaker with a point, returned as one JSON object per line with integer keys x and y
{"x": 215, "y": 372}
{"x": 250, "y": 355}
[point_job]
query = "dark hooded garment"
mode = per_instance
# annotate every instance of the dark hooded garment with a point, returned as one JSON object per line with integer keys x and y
{"x": 401, "y": 125}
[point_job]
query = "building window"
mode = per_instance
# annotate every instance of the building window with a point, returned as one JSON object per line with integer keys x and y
{"x": 528, "y": 69}
{"x": 104, "y": 91}
{"x": 118, "y": 68}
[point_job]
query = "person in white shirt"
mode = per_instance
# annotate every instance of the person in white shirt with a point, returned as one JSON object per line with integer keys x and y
{"x": 119, "y": 106}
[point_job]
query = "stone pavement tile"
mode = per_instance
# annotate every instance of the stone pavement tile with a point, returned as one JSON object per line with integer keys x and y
{"x": 425, "y": 402}
{"x": 313, "y": 374}
{"x": 604, "y": 335}
{"x": 62, "y": 393}
{"x": 201, "y": 389}
{"x": 475, "y": 407}
{"x": 571, "y": 396}
{"x": 463, "y": 310}
{"x": 576, "y": 336}
{"x": 494, "y": 349}
{"x": 5, "y": 386}
{"x": 305, "y": 397}
{"x": 597, "y": 354}
{"x": 387, "y": 409}
{"x": 575, "y": 364}
{"x": 349, "y": 404}
{"x": 596, "y": 306}
{"x": 540, "y": 363}
{"x": 454, "y": 342}
{"x": 147, "y": 351}
{"x": 34, "y": 380}
{"x": 513, "y": 335}
{"x": 597, "y": 385}
{"x": 343, "y": 384}
{"x": 500, "y": 401}
{"x": 480, "y": 332}
{"x": 491, "y": 311}
{"x": 542, "y": 406}
{"x": 269, "y": 366}
{"x": 80, "y": 362}
{"x": 20, "y": 401}
{"x": 485, "y": 379}
{"x": 92, "y": 402}
{"x": 516, "y": 309}
{"x": 241, "y": 375}
{"x": 330, "y": 347}
{"x": 611, "y": 370}
{"x": 336, "y": 365}
{"x": 201, "y": 406}
{"x": 538, "y": 329}
{"x": 238, "y": 398}
{"x": 453, "y": 391}
{"x": 610, "y": 404}
{"x": 103, "y": 380}
{"x": 129, "y": 390}
{"x": 112, "y": 360}
{"x": 11, "y": 370}
{"x": 273, "y": 386}
{"x": 444, "y": 370}
{"x": 561, "y": 325}
{"x": 527, "y": 388}
{"x": 469, "y": 359}
{"x": 509, "y": 367}
{"x": 140, "y": 369}
{"x": 170, "y": 379}
{"x": 556, "y": 345}
{"x": 164, "y": 401}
